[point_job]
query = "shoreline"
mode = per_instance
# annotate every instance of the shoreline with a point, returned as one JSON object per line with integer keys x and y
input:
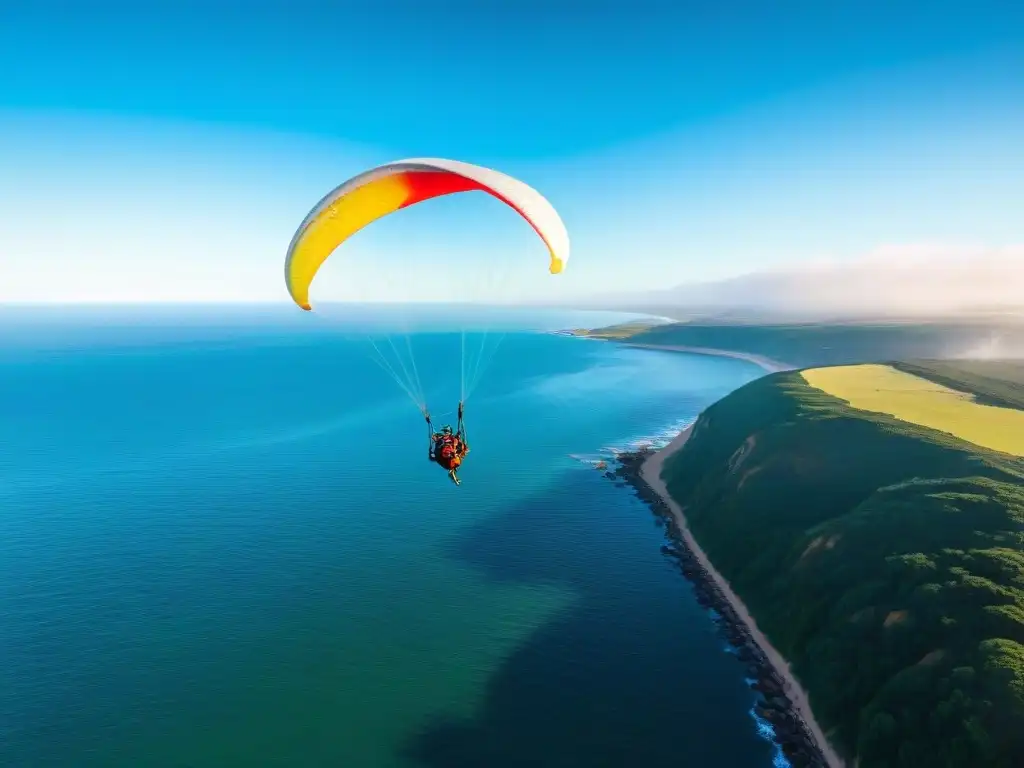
{"x": 767, "y": 363}
{"x": 782, "y": 701}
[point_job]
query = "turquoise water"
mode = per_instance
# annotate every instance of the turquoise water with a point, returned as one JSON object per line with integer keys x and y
{"x": 221, "y": 544}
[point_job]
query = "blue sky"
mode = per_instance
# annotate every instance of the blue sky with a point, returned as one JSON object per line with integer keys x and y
{"x": 166, "y": 152}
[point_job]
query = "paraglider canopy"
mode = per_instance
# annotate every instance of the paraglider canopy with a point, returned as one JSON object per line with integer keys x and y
{"x": 385, "y": 189}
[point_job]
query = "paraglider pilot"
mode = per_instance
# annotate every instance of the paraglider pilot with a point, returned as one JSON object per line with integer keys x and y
{"x": 448, "y": 448}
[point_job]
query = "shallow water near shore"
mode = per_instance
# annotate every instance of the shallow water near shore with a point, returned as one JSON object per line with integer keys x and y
{"x": 197, "y": 568}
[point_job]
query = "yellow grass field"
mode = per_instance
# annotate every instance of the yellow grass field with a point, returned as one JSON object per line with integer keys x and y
{"x": 883, "y": 389}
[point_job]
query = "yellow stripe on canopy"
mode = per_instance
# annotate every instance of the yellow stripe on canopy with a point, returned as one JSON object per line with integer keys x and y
{"x": 337, "y": 222}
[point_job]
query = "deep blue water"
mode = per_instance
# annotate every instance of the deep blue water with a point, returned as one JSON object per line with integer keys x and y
{"x": 221, "y": 545}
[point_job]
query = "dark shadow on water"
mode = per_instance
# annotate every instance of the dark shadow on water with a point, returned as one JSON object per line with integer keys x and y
{"x": 610, "y": 682}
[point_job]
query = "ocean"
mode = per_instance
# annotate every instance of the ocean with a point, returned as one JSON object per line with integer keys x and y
{"x": 222, "y": 544}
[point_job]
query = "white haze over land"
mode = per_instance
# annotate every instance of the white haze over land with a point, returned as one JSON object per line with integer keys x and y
{"x": 892, "y": 281}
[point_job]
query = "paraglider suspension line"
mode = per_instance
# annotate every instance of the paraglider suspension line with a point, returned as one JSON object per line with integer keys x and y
{"x": 382, "y": 361}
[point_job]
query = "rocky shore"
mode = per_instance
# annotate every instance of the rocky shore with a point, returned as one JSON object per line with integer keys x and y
{"x": 773, "y": 705}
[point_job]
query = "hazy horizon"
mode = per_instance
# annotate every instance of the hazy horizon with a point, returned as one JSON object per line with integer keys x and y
{"x": 916, "y": 281}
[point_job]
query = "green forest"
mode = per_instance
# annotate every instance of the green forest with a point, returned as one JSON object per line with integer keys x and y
{"x": 884, "y": 560}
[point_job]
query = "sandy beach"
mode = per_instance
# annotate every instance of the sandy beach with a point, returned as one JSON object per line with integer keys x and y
{"x": 772, "y": 366}
{"x": 651, "y": 474}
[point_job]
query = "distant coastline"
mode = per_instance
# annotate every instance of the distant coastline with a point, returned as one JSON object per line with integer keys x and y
{"x": 767, "y": 363}
{"x": 772, "y": 366}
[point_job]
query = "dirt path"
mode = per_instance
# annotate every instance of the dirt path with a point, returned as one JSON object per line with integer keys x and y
{"x": 651, "y": 473}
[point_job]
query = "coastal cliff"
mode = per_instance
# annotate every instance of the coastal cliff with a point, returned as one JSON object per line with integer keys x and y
{"x": 884, "y": 560}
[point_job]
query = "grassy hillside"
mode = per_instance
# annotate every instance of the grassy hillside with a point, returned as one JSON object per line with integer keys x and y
{"x": 884, "y": 559}
{"x": 806, "y": 345}
{"x": 886, "y": 389}
{"x": 997, "y": 383}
